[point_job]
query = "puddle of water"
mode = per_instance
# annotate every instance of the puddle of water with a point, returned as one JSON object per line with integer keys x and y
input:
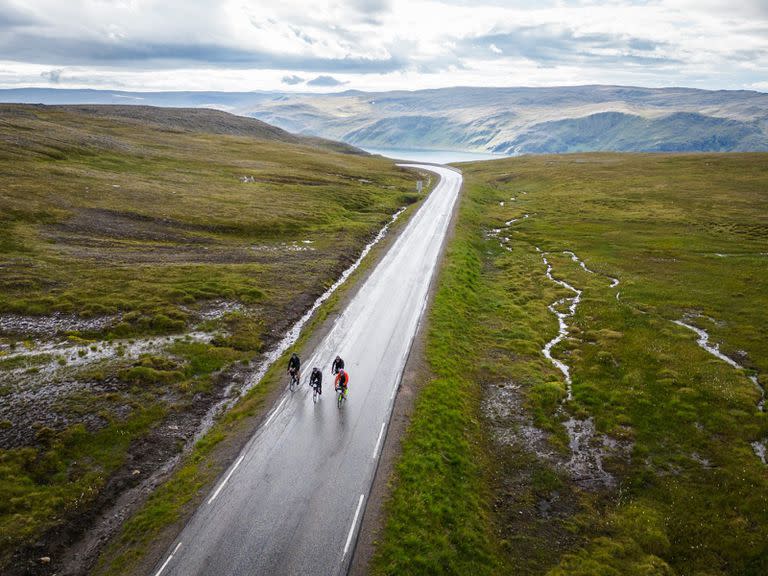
{"x": 56, "y": 323}
{"x": 511, "y": 425}
{"x": 513, "y": 220}
{"x": 52, "y": 376}
{"x": 714, "y": 349}
{"x": 760, "y": 449}
{"x": 587, "y": 453}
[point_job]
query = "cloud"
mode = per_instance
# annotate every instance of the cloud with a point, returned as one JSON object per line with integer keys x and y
{"x": 68, "y": 51}
{"x": 410, "y": 43}
{"x": 292, "y": 80}
{"x": 12, "y": 15}
{"x": 550, "y": 45}
{"x": 53, "y": 76}
{"x": 325, "y": 81}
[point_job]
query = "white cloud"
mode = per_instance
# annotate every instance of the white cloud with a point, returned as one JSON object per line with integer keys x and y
{"x": 375, "y": 44}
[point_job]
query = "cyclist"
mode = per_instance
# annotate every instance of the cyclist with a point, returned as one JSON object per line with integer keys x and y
{"x": 294, "y": 365}
{"x": 316, "y": 380}
{"x": 338, "y": 364}
{"x": 342, "y": 381}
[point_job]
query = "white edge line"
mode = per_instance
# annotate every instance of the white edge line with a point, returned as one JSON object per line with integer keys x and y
{"x": 223, "y": 482}
{"x": 381, "y": 434}
{"x": 352, "y": 528}
{"x": 394, "y": 391}
{"x": 275, "y": 412}
{"x": 168, "y": 559}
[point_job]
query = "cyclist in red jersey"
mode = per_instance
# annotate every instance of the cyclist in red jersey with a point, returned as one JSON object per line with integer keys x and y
{"x": 342, "y": 381}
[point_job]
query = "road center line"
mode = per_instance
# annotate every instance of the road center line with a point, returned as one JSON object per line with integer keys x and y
{"x": 275, "y": 412}
{"x": 381, "y": 434}
{"x": 352, "y": 528}
{"x": 168, "y": 559}
{"x": 223, "y": 482}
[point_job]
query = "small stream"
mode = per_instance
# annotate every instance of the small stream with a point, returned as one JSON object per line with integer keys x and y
{"x": 562, "y": 332}
{"x": 573, "y": 303}
{"x": 759, "y": 447}
{"x": 714, "y": 349}
{"x": 588, "y": 447}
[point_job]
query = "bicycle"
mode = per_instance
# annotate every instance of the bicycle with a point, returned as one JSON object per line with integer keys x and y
{"x": 341, "y": 395}
{"x": 315, "y": 392}
{"x": 294, "y": 379}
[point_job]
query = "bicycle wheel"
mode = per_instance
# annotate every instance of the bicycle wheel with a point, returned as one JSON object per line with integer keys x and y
{"x": 340, "y": 398}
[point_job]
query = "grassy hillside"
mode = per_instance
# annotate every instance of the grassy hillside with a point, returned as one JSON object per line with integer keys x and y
{"x": 146, "y": 257}
{"x": 656, "y": 464}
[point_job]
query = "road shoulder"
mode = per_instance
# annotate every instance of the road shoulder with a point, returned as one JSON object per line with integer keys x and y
{"x": 415, "y": 375}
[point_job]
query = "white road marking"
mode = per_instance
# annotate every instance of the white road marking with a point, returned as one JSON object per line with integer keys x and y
{"x": 394, "y": 391}
{"x": 275, "y": 412}
{"x": 381, "y": 434}
{"x": 168, "y": 559}
{"x": 352, "y": 528}
{"x": 223, "y": 482}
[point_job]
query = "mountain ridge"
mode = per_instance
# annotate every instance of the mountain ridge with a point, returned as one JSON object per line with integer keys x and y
{"x": 501, "y": 120}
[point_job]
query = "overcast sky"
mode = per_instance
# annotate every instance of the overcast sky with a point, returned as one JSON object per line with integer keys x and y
{"x": 330, "y": 45}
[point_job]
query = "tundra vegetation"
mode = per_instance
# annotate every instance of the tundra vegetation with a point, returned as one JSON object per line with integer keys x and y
{"x": 656, "y": 465}
{"x": 147, "y": 257}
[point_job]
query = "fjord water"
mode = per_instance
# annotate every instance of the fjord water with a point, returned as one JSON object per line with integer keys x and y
{"x": 433, "y": 156}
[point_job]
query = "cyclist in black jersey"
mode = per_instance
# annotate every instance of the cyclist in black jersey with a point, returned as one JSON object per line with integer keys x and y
{"x": 316, "y": 381}
{"x": 338, "y": 364}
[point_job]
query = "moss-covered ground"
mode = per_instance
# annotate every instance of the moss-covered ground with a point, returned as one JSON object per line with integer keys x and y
{"x": 150, "y": 227}
{"x": 485, "y": 487}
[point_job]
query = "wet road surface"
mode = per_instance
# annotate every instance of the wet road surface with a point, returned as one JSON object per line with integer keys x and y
{"x": 292, "y": 501}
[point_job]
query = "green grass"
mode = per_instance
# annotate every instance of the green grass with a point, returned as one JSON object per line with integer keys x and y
{"x": 176, "y": 499}
{"x": 129, "y": 217}
{"x": 102, "y": 216}
{"x": 657, "y": 222}
{"x": 438, "y": 519}
{"x": 39, "y": 486}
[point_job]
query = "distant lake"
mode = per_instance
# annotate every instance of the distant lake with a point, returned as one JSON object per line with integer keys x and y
{"x": 434, "y": 156}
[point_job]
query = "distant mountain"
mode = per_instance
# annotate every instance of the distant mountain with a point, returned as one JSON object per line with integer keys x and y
{"x": 500, "y": 120}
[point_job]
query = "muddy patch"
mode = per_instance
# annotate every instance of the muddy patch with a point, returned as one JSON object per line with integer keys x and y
{"x": 589, "y": 449}
{"x": 510, "y": 424}
{"x": 503, "y": 407}
{"x": 39, "y": 395}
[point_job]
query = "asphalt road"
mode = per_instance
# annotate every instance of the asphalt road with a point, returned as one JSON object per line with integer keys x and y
{"x": 292, "y": 502}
